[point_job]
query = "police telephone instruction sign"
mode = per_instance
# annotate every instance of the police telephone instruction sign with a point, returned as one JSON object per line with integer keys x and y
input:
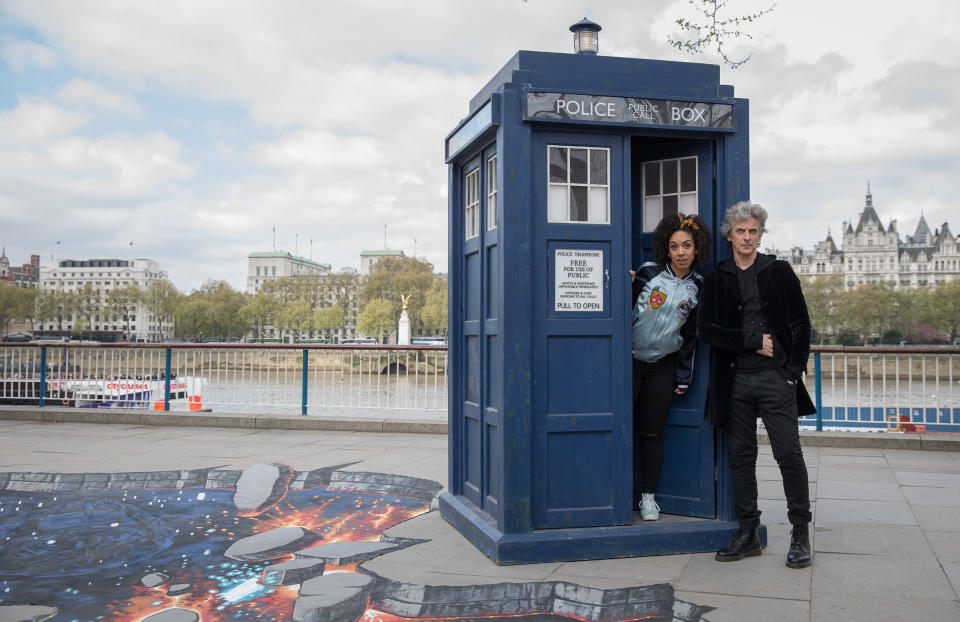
{"x": 578, "y": 279}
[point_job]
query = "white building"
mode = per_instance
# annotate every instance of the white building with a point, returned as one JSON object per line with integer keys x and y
{"x": 264, "y": 266}
{"x": 70, "y": 275}
{"x": 369, "y": 258}
{"x": 872, "y": 253}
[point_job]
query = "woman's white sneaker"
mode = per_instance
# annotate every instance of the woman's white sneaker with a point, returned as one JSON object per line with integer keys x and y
{"x": 649, "y": 510}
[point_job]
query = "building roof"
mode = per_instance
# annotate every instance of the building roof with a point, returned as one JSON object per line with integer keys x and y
{"x": 869, "y": 215}
{"x": 384, "y": 251}
{"x": 943, "y": 234}
{"x": 922, "y": 235}
{"x": 282, "y": 254}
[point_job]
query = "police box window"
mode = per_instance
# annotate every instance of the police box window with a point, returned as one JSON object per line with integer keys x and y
{"x": 579, "y": 184}
{"x": 669, "y": 186}
{"x": 471, "y": 200}
{"x": 492, "y": 193}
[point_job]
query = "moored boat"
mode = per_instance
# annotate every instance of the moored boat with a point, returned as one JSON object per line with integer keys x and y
{"x": 186, "y": 392}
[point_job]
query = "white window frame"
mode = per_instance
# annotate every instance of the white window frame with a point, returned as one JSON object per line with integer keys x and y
{"x": 492, "y": 192}
{"x": 653, "y": 203}
{"x": 471, "y": 204}
{"x": 558, "y": 211}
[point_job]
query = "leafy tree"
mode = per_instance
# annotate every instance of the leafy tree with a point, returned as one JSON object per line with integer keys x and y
{"x": 54, "y": 305}
{"x": 80, "y": 326}
{"x": 27, "y": 305}
{"x": 225, "y": 320}
{"x": 392, "y": 277}
{"x": 870, "y": 310}
{"x": 10, "y": 304}
{"x": 122, "y": 303}
{"x": 940, "y": 308}
{"x": 295, "y": 317}
{"x": 260, "y": 312}
{"x": 161, "y": 299}
{"x": 435, "y": 307}
{"x": 378, "y": 318}
{"x": 283, "y": 290}
{"x": 343, "y": 289}
{"x": 191, "y": 316}
{"x": 88, "y": 306}
{"x": 329, "y": 318}
{"x": 824, "y": 295}
{"x": 310, "y": 288}
{"x": 213, "y": 311}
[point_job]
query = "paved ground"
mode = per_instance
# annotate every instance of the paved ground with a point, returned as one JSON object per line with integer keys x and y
{"x": 886, "y": 521}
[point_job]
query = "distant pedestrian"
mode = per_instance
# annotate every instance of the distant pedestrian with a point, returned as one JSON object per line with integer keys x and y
{"x": 754, "y": 317}
{"x": 665, "y": 299}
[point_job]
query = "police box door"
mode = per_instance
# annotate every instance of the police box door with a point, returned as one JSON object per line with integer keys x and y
{"x": 581, "y": 445}
{"x": 671, "y": 176}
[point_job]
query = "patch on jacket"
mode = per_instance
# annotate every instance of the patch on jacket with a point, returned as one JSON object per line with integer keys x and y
{"x": 692, "y": 288}
{"x": 683, "y": 310}
{"x": 657, "y": 298}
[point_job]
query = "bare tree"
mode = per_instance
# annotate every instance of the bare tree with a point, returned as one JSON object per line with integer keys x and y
{"x": 715, "y": 30}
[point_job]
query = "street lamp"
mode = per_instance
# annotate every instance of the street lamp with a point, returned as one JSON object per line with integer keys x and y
{"x": 585, "y": 38}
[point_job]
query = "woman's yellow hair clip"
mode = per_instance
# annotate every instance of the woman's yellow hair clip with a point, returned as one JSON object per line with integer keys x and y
{"x": 688, "y": 221}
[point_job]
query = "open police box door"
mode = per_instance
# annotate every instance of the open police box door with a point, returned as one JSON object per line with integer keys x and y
{"x": 671, "y": 176}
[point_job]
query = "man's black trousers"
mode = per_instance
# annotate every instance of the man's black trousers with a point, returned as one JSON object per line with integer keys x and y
{"x": 767, "y": 395}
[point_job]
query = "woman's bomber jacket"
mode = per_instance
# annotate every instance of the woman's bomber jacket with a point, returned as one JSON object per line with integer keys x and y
{"x": 665, "y": 318}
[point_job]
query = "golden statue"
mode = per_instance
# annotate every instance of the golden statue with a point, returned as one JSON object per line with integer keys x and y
{"x": 405, "y": 300}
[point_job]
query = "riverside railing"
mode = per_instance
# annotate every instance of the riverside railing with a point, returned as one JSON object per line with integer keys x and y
{"x": 907, "y": 389}
{"x": 244, "y": 378}
{"x": 882, "y": 388}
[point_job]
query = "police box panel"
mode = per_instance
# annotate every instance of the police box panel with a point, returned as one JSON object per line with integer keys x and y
{"x": 580, "y": 357}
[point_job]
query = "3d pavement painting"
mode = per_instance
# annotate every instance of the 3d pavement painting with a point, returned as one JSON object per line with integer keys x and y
{"x": 265, "y": 543}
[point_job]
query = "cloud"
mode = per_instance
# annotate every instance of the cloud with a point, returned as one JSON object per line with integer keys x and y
{"x": 40, "y": 153}
{"x": 82, "y": 92}
{"x": 36, "y": 120}
{"x": 20, "y": 54}
{"x": 198, "y": 127}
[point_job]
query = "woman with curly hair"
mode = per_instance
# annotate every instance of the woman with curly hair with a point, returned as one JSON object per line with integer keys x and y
{"x": 665, "y": 298}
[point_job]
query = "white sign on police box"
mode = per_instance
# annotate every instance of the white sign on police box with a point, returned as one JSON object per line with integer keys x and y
{"x": 578, "y": 283}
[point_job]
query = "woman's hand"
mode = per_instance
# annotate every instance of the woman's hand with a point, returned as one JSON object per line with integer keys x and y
{"x": 633, "y": 276}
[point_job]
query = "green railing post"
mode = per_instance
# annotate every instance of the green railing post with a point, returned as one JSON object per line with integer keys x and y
{"x": 166, "y": 385}
{"x": 43, "y": 375}
{"x": 303, "y": 401}
{"x": 819, "y": 390}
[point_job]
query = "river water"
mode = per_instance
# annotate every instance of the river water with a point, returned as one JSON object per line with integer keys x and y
{"x": 425, "y": 397}
{"x": 417, "y": 396}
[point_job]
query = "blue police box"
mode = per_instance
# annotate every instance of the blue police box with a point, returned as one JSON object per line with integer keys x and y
{"x": 557, "y": 178}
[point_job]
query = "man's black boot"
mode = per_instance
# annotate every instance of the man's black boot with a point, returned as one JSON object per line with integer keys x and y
{"x": 799, "y": 554}
{"x": 744, "y": 544}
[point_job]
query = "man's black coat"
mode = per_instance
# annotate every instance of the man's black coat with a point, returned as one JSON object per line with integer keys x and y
{"x": 720, "y": 326}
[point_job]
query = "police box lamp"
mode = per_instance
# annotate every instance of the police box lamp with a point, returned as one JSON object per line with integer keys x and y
{"x": 585, "y": 38}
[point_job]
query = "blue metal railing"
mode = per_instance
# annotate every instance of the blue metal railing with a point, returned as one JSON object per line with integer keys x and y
{"x": 906, "y": 389}
{"x": 262, "y": 378}
{"x": 898, "y": 389}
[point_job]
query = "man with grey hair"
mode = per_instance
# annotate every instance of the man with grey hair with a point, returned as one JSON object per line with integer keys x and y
{"x": 754, "y": 317}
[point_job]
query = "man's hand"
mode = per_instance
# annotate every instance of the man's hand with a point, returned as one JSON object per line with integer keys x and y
{"x": 767, "y": 349}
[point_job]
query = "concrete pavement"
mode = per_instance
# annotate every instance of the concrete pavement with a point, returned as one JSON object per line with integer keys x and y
{"x": 886, "y": 521}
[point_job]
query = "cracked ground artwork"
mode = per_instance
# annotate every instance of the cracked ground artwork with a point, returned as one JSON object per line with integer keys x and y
{"x": 266, "y": 543}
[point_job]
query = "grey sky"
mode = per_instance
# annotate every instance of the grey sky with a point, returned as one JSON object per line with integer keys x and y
{"x": 193, "y": 128}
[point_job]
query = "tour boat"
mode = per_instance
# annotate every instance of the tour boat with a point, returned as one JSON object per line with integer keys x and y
{"x": 186, "y": 392}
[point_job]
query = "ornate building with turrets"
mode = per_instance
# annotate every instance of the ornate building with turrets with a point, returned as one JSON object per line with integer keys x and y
{"x": 872, "y": 253}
